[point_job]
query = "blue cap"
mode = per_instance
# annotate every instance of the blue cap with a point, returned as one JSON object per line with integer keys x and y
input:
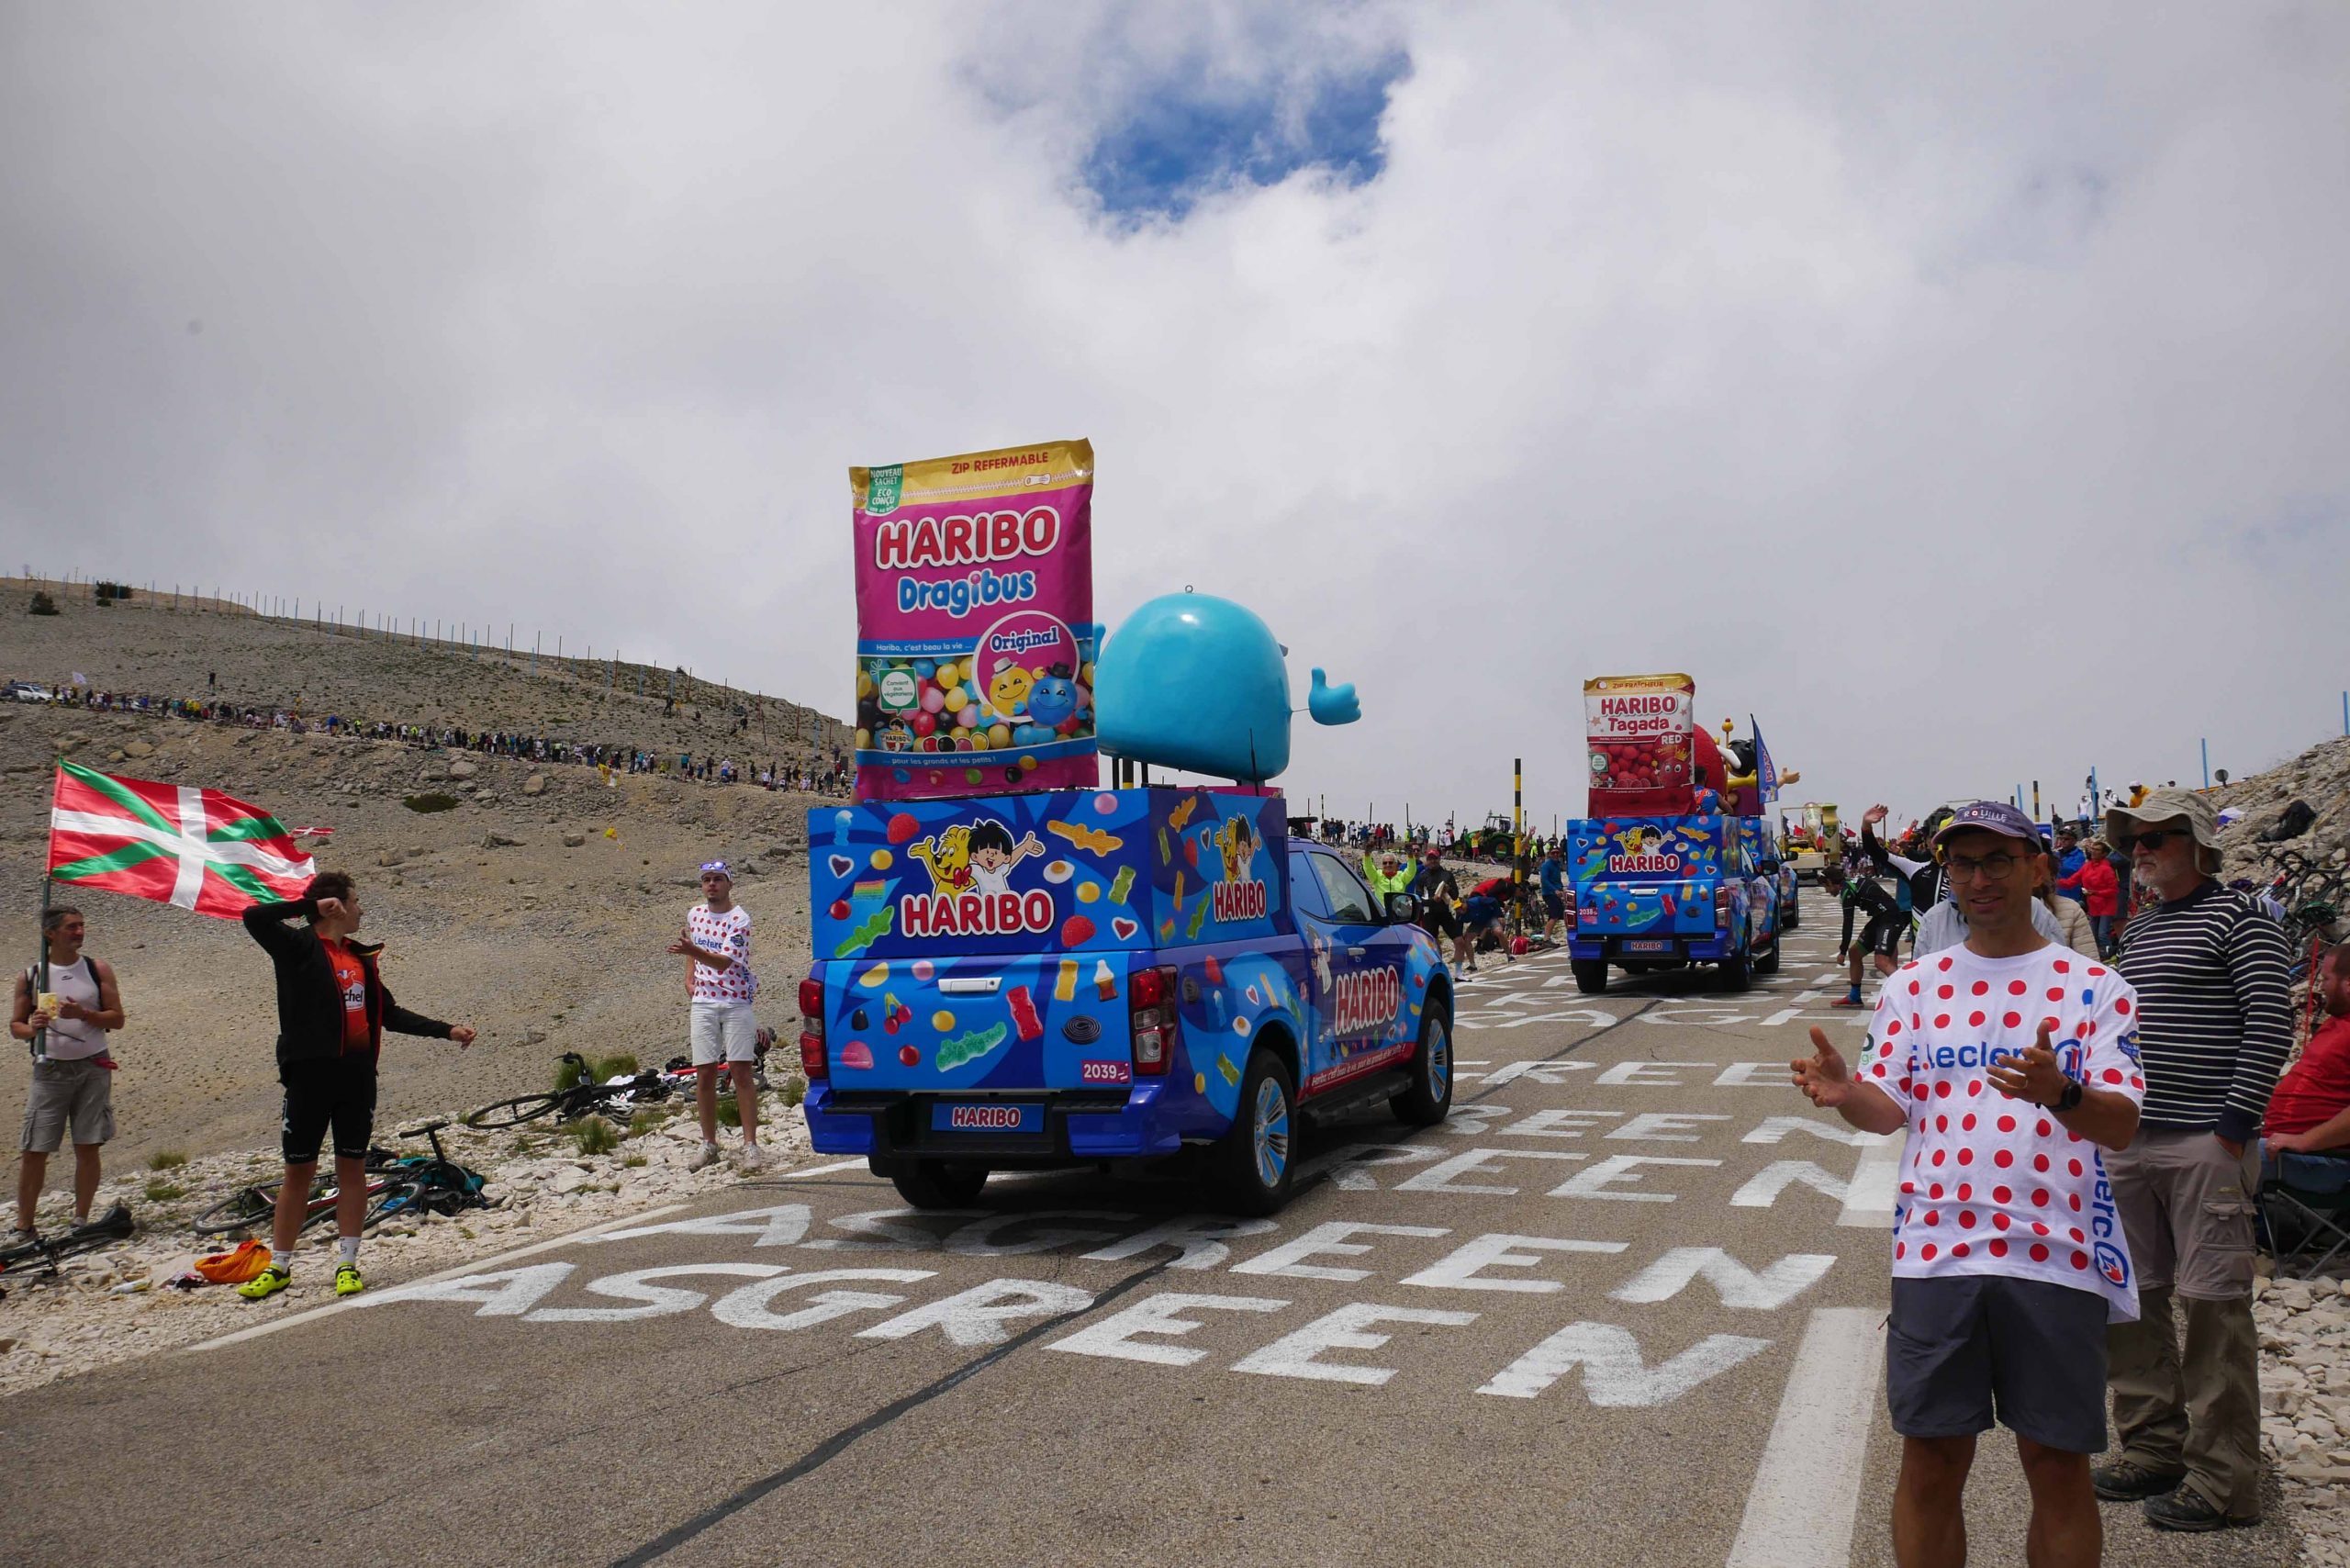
{"x": 1990, "y": 816}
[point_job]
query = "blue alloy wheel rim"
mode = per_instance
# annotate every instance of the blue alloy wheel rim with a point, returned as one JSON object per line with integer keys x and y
{"x": 1271, "y": 1133}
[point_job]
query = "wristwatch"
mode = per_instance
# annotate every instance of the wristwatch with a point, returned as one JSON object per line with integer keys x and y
{"x": 2071, "y": 1099}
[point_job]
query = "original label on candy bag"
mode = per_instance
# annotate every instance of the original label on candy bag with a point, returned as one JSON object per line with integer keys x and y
{"x": 1640, "y": 729}
{"x": 975, "y": 623}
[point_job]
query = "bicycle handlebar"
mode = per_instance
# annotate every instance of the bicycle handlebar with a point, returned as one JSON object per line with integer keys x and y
{"x": 427, "y": 1130}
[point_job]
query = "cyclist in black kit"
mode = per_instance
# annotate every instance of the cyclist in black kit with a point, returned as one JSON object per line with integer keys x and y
{"x": 1865, "y": 899}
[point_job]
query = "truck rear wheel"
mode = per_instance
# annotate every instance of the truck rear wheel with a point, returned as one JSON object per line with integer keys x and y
{"x": 938, "y": 1184}
{"x": 1252, "y": 1161}
{"x": 1429, "y": 1099}
{"x": 1738, "y": 973}
{"x": 1591, "y": 975}
{"x": 1769, "y": 963}
{"x": 1795, "y": 908}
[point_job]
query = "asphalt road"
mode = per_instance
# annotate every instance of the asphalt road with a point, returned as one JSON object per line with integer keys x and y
{"x": 1625, "y": 1307}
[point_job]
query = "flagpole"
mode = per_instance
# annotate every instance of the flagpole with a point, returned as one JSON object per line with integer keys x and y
{"x": 40, "y": 1037}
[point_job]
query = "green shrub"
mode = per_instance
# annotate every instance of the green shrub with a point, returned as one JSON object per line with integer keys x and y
{"x": 431, "y": 801}
{"x": 795, "y": 1090}
{"x": 646, "y": 1120}
{"x": 633, "y": 1162}
{"x": 595, "y": 1136}
{"x": 729, "y": 1114}
{"x": 166, "y": 1160}
{"x": 598, "y": 1070}
{"x": 41, "y": 605}
{"x": 161, "y": 1191}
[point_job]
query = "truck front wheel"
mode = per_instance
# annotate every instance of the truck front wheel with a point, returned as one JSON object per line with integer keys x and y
{"x": 1253, "y": 1163}
{"x": 938, "y": 1184}
{"x": 1591, "y": 975}
{"x": 1738, "y": 972}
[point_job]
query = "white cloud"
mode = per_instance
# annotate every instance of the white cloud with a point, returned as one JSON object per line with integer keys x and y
{"x": 1958, "y": 393}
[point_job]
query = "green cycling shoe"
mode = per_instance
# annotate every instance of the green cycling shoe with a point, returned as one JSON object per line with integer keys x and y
{"x": 347, "y": 1280}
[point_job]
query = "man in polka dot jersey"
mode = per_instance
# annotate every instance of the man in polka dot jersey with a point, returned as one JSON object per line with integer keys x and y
{"x": 2011, "y": 1063}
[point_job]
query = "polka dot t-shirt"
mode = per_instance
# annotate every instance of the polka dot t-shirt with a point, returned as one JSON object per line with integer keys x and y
{"x": 729, "y": 933}
{"x": 1992, "y": 1185}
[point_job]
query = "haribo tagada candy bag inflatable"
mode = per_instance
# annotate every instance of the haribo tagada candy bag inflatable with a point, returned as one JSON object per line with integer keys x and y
{"x": 1640, "y": 730}
{"x": 975, "y": 623}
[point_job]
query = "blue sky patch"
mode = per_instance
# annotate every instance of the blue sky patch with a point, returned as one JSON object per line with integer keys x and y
{"x": 1188, "y": 138}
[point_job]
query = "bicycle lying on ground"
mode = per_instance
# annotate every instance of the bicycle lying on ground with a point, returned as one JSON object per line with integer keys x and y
{"x": 422, "y": 1185}
{"x": 250, "y": 1211}
{"x": 46, "y": 1252}
{"x": 584, "y": 1098}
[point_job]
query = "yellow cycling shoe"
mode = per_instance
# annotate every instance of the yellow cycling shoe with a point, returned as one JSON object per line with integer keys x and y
{"x": 268, "y": 1283}
{"x": 347, "y": 1280}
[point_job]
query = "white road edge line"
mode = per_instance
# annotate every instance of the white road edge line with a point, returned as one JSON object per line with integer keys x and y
{"x": 459, "y": 1272}
{"x": 1800, "y": 1509}
{"x": 821, "y": 1170}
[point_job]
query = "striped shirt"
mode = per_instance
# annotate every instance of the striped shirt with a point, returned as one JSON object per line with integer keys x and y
{"x": 2214, "y": 1020}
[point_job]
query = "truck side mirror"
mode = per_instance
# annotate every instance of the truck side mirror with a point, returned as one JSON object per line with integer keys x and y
{"x": 1403, "y": 909}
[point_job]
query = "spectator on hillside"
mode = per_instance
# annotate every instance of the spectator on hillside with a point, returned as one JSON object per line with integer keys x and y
{"x": 2213, "y": 1027}
{"x": 2310, "y": 1112}
{"x": 2100, "y": 891}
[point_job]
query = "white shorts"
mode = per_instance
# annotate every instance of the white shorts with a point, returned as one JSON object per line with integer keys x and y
{"x": 722, "y": 1032}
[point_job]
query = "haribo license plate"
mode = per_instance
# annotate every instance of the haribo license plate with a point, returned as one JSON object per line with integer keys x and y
{"x": 990, "y": 1117}
{"x": 1647, "y": 944}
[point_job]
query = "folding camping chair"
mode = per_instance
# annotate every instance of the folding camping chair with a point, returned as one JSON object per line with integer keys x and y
{"x": 2304, "y": 1212}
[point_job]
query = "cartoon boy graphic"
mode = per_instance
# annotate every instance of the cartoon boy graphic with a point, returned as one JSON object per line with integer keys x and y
{"x": 1238, "y": 841}
{"x": 993, "y": 854}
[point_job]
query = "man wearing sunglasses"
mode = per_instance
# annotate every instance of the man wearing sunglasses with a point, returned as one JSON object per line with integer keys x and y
{"x": 2215, "y": 1024}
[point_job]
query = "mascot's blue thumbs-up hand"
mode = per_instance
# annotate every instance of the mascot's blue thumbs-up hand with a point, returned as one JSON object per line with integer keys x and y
{"x": 1332, "y": 704}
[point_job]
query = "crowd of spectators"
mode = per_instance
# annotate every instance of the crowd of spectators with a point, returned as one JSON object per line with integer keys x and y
{"x": 828, "y": 773}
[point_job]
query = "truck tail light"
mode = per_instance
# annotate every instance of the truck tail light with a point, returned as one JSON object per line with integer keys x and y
{"x": 1151, "y": 1018}
{"x": 812, "y": 1065}
{"x": 1721, "y": 908}
{"x": 1567, "y": 900}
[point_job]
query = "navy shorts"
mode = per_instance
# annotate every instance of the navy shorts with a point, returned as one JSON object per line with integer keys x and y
{"x": 1554, "y": 905}
{"x": 1961, "y": 1349}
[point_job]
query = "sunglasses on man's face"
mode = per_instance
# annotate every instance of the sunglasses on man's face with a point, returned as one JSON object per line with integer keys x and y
{"x": 2155, "y": 839}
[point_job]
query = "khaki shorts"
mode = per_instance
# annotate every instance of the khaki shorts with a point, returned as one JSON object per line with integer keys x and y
{"x": 726, "y": 1032}
{"x": 79, "y": 1092}
{"x": 2187, "y": 1207}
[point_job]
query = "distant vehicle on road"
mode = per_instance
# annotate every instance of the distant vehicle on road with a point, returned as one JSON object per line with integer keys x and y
{"x": 1668, "y": 892}
{"x": 26, "y": 692}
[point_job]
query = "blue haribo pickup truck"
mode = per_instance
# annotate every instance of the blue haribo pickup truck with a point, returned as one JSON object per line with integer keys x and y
{"x": 1667, "y": 893}
{"x": 1073, "y": 977}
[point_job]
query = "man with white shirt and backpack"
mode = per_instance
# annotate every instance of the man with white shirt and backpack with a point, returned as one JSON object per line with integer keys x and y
{"x": 64, "y": 1008}
{"x": 2011, "y": 1061}
{"x": 719, "y": 986}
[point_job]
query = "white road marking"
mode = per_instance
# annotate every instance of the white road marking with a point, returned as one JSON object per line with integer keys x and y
{"x": 460, "y": 1270}
{"x": 1800, "y": 1509}
{"x": 1876, "y": 1181}
{"x": 822, "y": 1170}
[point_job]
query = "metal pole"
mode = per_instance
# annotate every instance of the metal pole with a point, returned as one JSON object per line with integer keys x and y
{"x": 2035, "y": 800}
{"x": 1516, "y": 823}
{"x": 2207, "y": 762}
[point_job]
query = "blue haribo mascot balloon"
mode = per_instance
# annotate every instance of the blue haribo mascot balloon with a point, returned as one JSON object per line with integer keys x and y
{"x": 1197, "y": 683}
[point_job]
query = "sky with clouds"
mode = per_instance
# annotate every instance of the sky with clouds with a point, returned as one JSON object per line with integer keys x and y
{"x": 1959, "y": 390}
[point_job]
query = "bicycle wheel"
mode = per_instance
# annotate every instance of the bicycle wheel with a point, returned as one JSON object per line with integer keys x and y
{"x": 402, "y": 1199}
{"x": 249, "y": 1209}
{"x": 515, "y": 1112}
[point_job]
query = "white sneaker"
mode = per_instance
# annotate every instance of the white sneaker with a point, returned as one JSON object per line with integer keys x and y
{"x": 752, "y": 1158}
{"x": 704, "y": 1157}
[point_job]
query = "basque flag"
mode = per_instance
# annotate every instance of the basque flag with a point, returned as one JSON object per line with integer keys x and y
{"x": 173, "y": 843}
